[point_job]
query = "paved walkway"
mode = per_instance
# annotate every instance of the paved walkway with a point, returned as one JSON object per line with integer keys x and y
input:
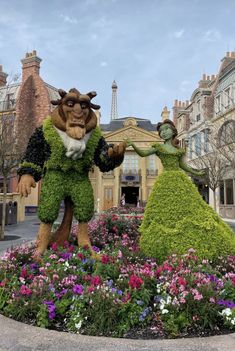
{"x": 15, "y": 336}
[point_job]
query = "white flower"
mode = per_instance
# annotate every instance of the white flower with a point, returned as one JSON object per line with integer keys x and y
{"x": 226, "y": 312}
{"x": 78, "y": 325}
{"x": 168, "y": 300}
{"x": 164, "y": 311}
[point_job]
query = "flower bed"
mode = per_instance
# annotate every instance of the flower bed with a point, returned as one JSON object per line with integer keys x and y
{"x": 123, "y": 295}
{"x": 129, "y": 210}
{"x": 114, "y": 230}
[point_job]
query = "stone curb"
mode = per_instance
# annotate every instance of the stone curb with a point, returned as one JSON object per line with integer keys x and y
{"x": 16, "y": 336}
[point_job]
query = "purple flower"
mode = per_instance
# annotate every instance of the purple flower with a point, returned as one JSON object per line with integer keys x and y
{"x": 51, "y": 309}
{"x": 78, "y": 289}
{"x": 66, "y": 255}
{"x": 61, "y": 293}
{"x": 226, "y": 303}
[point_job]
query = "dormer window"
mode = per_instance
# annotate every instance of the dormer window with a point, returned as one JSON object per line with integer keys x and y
{"x": 218, "y": 104}
{"x": 227, "y": 97}
{"x": 198, "y": 105}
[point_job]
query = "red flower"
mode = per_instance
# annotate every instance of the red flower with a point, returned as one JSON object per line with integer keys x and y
{"x": 91, "y": 289}
{"x": 105, "y": 259}
{"x": 182, "y": 281}
{"x": 54, "y": 246}
{"x": 159, "y": 271}
{"x": 233, "y": 280}
{"x": 23, "y": 272}
{"x": 80, "y": 255}
{"x": 135, "y": 282}
{"x": 95, "y": 280}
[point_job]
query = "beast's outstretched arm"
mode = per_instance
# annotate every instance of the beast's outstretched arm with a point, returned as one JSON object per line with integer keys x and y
{"x": 108, "y": 156}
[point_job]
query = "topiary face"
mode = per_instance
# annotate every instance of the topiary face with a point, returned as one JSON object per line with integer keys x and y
{"x": 166, "y": 132}
{"x": 74, "y": 113}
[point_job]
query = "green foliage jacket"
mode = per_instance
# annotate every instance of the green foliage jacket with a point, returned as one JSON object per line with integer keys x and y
{"x": 46, "y": 151}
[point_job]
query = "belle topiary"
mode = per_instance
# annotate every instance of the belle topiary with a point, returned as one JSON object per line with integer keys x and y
{"x": 176, "y": 217}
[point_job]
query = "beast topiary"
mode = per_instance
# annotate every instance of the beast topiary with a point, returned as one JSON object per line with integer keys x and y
{"x": 176, "y": 217}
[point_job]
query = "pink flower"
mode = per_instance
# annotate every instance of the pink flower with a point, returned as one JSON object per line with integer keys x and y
{"x": 24, "y": 290}
{"x": 135, "y": 282}
{"x": 198, "y": 297}
{"x": 195, "y": 318}
{"x": 119, "y": 254}
{"x": 212, "y": 300}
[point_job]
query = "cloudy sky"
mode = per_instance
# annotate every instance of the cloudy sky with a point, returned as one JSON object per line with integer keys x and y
{"x": 156, "y": 50}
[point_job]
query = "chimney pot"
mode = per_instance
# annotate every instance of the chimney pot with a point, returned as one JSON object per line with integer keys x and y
{"x": 3, "y": 77}
{"x": 30, "y": 65}
{"x": 204, "y": 76}
{"x": 227, "y": 54}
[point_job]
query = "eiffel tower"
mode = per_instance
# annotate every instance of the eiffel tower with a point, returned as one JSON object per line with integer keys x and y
{"x": 114, "y": 113}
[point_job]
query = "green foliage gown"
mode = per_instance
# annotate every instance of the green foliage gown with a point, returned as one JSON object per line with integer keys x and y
{"x": 177, "y": 218}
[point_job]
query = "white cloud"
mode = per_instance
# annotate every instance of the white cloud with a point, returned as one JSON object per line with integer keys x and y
{"x": 69, "y": 19}
{"x": 212, "y": 35}
{"x": 178, "y": 34}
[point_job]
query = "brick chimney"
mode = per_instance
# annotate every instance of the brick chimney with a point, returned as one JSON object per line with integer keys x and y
{"x": 165, "y": 114}
{"x": 3, "y": 77}
{"x": 30, "y": 65}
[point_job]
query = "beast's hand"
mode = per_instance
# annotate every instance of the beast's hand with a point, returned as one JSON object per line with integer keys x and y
{"x": 117, "y": 151}
{"x": 25, "y": 184}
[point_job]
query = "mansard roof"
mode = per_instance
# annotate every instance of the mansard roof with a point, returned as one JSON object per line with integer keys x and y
{"x": 116, "y": 124}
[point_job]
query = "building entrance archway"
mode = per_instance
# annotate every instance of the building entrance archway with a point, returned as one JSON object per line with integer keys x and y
{"x": 131, "y": 195}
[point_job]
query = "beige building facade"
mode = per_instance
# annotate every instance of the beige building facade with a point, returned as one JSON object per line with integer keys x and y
{"x": 206, "y": 126}
{"x": 136, "y": 176}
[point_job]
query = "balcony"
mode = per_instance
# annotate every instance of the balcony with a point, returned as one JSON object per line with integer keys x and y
{"x": 7, "y": 105}
{"x": 151, "y": 172}
{"x": 130, "y": 177}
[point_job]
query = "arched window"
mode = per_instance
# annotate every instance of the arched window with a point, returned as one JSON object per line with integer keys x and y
{"x": 226, "y": 134}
